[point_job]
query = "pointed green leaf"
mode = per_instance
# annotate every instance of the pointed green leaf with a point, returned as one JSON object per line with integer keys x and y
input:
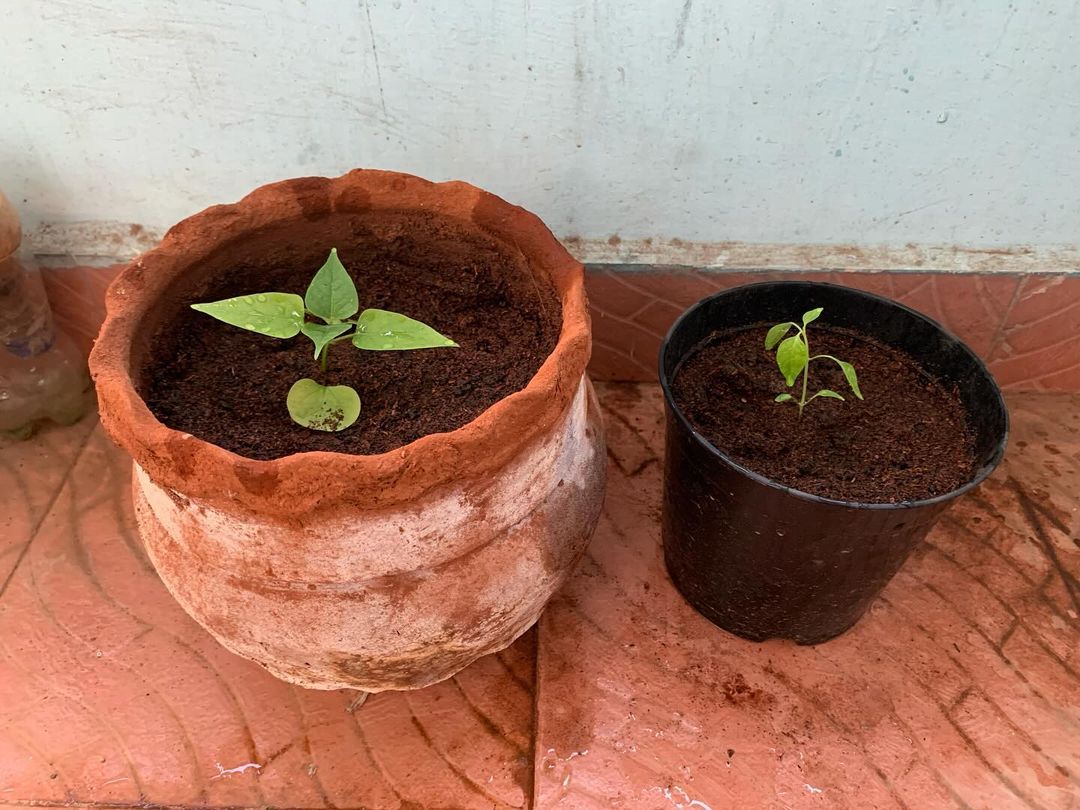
{"x": 852, "y": 379}
{"x": 322, "y": 407}
{"x": 812, "y": 315}
{"x": 777, "y": 332}
{"x": 825, "y": 392}
{"x": 278, "y": 315}
{"x": 332, "y": 294}
{"x": 323, "y": 333}
{"x": 379, "y": 330}
{"x": 792, "y": 357}
{"x": 784, "y": 397}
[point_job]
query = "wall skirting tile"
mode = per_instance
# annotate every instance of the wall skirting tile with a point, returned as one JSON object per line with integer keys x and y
{"x": 1025, "y": 325}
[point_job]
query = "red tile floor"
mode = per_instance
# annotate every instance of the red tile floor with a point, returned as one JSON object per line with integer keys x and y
{"x": 960, "y": 688}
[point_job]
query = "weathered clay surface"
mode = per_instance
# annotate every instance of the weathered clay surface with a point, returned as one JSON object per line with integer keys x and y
{"x": 10, "y": 228}
{"x": 388, "y": 598}
{"x": 377, "y": 572}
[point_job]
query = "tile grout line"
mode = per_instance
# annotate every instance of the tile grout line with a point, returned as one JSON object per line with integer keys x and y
{"x": 534, "y": 783}
{"x": 49, "y": 506}
{"x": 1000, "y": 332}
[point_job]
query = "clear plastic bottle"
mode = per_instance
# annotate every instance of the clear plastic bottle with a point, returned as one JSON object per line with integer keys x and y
{"x": 43, "y": 375}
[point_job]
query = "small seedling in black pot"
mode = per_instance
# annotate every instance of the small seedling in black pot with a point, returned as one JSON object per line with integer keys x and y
{"x": 793, "y": 358}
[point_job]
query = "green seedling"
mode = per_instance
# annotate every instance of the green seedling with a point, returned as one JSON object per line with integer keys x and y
{"x": 793, "y": 358}
{"x": 331, "y": 298}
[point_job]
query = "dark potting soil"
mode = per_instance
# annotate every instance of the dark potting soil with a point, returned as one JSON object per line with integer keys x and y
{"x": 907, "y": 440}
{"x": 228, "y": 386}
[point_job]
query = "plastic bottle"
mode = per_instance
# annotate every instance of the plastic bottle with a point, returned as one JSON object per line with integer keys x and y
{"x": 42, "y": 373}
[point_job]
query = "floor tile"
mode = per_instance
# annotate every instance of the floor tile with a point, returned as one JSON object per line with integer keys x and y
{"x": 112, "y": 695}
{"x": 31, "y": 473}
{"x": 958, "y": 689}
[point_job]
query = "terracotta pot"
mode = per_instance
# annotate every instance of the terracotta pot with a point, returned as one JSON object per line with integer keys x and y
{"x": 390, "y": 571}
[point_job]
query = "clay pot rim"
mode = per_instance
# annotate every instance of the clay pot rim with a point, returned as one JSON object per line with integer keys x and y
{"x": 291, "y": 487}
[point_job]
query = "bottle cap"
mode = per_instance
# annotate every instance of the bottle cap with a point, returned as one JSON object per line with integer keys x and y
{"x": 10, "y": 228}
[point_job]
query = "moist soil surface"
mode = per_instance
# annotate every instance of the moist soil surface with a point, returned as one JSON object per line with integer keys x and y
{"x": 228, "y": 386}
{"x": 907, "y": 440}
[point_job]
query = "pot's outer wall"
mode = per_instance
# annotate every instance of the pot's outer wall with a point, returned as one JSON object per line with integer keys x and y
{"x": 760, "y": 563}
{"x": 762, "y": 560}
{"x": 388, "y": 599}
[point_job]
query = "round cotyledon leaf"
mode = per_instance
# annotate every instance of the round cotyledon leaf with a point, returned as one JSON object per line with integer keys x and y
{"x": 322, "y": 407}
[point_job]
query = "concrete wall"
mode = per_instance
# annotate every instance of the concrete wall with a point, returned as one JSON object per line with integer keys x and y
{"x": 925, "y": 121}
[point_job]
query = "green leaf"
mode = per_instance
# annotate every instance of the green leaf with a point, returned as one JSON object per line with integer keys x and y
{"x": 323, "y": 333}
{"x": 849, "y": 373}
{"x": 784, "y": 397}
{"x": 812, "y": 315}
{"x": 379, "y": 330}
{"x": 322, "y": 407}
{"x": 825, "y": 392}
{"x": 278, "y": 315}
{"x": 331, "y": 295}
{"x": 777, "y": 332}
{"x": 792, "y": 358}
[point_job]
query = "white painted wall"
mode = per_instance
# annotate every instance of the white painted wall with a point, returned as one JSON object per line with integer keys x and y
{"x": 927, "y": 121}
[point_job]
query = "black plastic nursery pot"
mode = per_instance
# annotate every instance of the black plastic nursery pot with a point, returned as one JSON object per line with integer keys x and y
{"x": 761, "y": 559}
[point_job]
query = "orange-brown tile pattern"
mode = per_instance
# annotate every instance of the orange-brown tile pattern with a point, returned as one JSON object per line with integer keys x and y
{"x": 1039, "y": 346}
{"x": 633, "y": 309}
{"x": 112, "y": 695}
{"x": 77, "y": 296}
{"x": 1026, "y": 326}
{"x": 31, "y": 475}
{"x": 959, "y": 689}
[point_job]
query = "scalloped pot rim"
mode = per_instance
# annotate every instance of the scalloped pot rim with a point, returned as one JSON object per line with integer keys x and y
{"x": 290, "y": 488}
